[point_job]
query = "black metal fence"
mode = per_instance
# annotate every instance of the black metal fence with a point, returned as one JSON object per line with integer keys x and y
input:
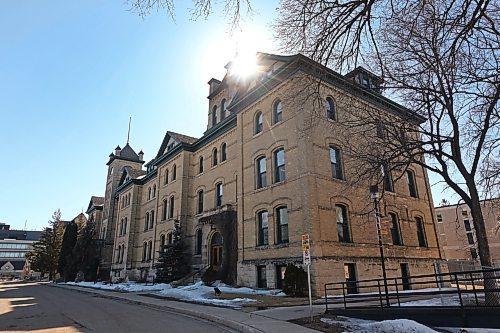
{"x": 475, "y": 288}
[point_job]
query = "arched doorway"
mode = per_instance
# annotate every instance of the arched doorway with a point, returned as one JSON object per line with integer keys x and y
{"x": 216, "y": 251}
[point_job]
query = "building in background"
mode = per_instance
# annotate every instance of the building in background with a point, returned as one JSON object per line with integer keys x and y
{"x": 269, "y": 168}
{"x": 458, "y": 236}
{"x": 14, "y": 244}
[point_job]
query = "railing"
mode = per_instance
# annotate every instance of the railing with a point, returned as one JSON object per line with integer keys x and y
{"x": 478, "y": 288}
{"x": 192, "y": 275}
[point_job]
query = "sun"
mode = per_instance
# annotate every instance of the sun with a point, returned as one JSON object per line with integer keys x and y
{"x": 244, "y": 65}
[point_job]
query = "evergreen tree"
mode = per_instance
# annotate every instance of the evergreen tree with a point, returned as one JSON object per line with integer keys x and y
{"x": 295, "y": 282}
{"x": 67, "y": 265}
{"x": 85, "y": 256}
{"x": 45, "y": 254}
{"x": 172, "y": 264}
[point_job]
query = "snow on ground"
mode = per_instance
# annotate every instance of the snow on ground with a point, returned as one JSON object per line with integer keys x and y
{"x": 438, "y": 301}
{"x": 393, "y": 292}
{"x": 386, "y": 326}
{"x": 197, "y": 292}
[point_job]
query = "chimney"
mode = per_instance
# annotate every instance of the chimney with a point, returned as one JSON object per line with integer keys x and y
{"x": 117, "y": 150}
{"x": 141, "y": 155}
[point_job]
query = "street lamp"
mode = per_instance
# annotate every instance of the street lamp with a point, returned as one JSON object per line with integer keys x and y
{"x": 375, "y": 195}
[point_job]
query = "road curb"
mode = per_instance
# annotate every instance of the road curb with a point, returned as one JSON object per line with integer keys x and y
{"x": 209, "y": 317}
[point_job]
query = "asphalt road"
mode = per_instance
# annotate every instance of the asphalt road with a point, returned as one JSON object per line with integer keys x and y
{"x": 36, "y": 307}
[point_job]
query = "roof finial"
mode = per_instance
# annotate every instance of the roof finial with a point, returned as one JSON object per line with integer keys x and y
{"x": 128, "y": 134}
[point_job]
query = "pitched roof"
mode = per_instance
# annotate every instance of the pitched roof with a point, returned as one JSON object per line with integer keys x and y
{"x": 20, "y": 234}
{"x": 127, "y": 153}
{"x": 179, "y": 138}
{"x": 95, "y": 203}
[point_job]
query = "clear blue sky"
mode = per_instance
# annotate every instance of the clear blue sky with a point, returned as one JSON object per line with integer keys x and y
{"x": 71, "y": 75}
{"x": 73, "y": 72}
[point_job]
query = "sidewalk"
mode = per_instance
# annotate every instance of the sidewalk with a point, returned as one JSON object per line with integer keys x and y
{"x": 268, "y": 321}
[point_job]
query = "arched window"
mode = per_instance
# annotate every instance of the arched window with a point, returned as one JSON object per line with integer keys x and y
{"x": 422, "y": 239}
{"x": 125, "y": 226}
{"x": 343, "y": 228}
{"x": 149, "y": 193}
{"x": 214, "y": 115}
{"x": 119, "y": 254}
{"x": 122, "y": 254}
{"x": 277, "y": 112}
{"x": 223, "y": 156}
{"x": 330, "y": 109}
{"x": 200, "y": 165}
{"x": 165, "y": 181}
{"x": 162, "y": 243}
{"x": 261, "y": 172}
{"x": 336, "y": 163}
{"x": 279, "y": 165}
{"x": 263, "y": 228}
{"x": 258, "y": 122}
{"x": 222, "y": 109}
{"x": 164, "y": 210}
{"x": 219, "y": 193}
{"x": 151, "y": 219}
{"x": 146, "y": 222}
{"x": 387, "y": 176}
{"x": 170, "y": 238}
{"x": 174, "y": 172}
{"x": 282, "y": 224}
{"x": 395, "y": 230}
{"x": 154, "y": 191}
{"x": 171, "y": 208}
{"x": 412, "y": 184}
{"x": 199, "y": 209}
{"x": 199, "y": 241}
{"x": 214, "y": 157}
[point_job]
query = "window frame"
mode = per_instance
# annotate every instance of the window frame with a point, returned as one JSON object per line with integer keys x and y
{"x": 174, "y": 172}
{"x": 261, "y": 175}
{"x": 337, "y": 169}
{"x": 223, "y": 109}
{"x": 219, "y": 194}
{"x": 395, "y": 229}
{"x": 331, "y": 112}
{"x": 200, "y": 204}
{"x": 421, "y": 235}
{"x": 387, "y": 178}
{"x": 345, "y": 224}
{"x": 412, "y": 183}
{"x": 263, "y": 231}
{"x": 279, "y": 169}
{"x": 215, "y": 159}
{"x": 200, "y": 165}
{"x": 199, "y": 242}
{"x": 277, "y": 111}
{"x": 223, "y": 152}
{"x": 171, "y": 206}
{"x": 258, "y": 122}
{"x": 214, "y": 115}
{"x": 281, "y": 226}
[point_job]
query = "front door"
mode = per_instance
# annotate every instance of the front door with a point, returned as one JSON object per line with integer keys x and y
{"x": 216, "y": 251}
{"x": 350, "y": 278}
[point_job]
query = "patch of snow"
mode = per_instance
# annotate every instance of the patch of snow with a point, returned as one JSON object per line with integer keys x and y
{"x": 128, "y": 286}
{"x": 423, "y": 290}
{"x": 386, "y": 326}
{"x": 438, "y": 301}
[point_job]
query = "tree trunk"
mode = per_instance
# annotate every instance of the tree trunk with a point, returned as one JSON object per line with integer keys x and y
{"x": 490, "y": 283}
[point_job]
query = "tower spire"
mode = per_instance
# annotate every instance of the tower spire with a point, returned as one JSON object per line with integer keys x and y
{"x": 128, "y": 133}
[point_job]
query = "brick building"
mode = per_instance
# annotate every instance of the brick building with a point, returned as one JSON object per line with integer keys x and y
{"x": 457, "y": 234}
{"x": 268, "y": 169}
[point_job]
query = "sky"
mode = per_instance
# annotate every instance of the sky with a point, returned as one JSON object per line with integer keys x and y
{"x": 73, "y": 72}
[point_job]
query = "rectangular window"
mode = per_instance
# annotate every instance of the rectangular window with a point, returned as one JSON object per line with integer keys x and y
{"x": 473, "y": 253}
{"x": 422, "y": 241}
{"x": 261, "y": 173}
{"x": 219, "y": 194}
{"x": 386, "y": 173}
{"x": 263, "y": 227}
{"x": 279, "y": 163}
{"x": 336, "y": 163}
{"x": 200, "y": 202}
{"x": 282, "y": 224}
{"x": 470, "y": 238}
{"x": 261, "y": 277}
{"x": 395, "y": 231}
{"x": 280, "y": 276}
{"x": 439, "y": 217}
{"x": 467, "y": 225}
{"x": 342, "y": 224}
{"x": 465, "y": 213}
{"x": 412, "y": 185}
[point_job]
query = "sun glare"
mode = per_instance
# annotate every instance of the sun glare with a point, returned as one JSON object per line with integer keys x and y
{"x": 244, "y": 64}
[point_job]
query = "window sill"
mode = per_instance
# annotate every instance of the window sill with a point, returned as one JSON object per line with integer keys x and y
{"x": 262, "y": 247}
{"x": 258, "y": 134}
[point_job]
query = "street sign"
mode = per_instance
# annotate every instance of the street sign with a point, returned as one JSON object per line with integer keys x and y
{"x": 306, "y": 249}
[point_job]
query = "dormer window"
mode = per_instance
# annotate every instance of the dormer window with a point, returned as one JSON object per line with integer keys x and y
{"x": 171, "y": 146}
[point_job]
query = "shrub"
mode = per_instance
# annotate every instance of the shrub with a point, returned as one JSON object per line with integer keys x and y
{"x": 295, "y": 282}
{"x": 209, "y": 276}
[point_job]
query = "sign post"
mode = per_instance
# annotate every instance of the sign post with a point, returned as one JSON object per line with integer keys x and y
{"x": 306, "y": 256}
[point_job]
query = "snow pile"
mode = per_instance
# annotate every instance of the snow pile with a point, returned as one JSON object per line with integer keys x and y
{"x": 386, "y": 326}
{"x": 126, "y": 286}
{"x": 444, "y": 301}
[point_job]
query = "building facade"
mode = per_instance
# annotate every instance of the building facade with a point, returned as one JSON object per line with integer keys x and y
{"x": 458, "y": 236}
{"x": 14, "y": 244}
{"x": 268, "y": 169}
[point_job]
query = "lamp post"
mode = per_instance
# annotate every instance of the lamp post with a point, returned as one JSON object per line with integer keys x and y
{"x": 375, "y": 195}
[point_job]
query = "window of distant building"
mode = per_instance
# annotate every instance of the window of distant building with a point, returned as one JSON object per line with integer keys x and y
{"x": 282, "y": 224}
{"x": 258, "y": 122}
{"x": 422, "y": 240}
{"x": 174, "y": 172}
{"x": 164, "y": 210}
{"x": 279, "y": 165}
{"x": 261, "y": 172}
{"x": 144, "y": 250}
{"x": 219, "y": 194}
{"x": 386, "y": 174}
{"x": 214, "y": 157}
{"x": 263, "y": 227}
{"x": 412, "y": 185}
{"x": 395, "y": 229}
{"x": 162, "y": 243}
{"x": 277, "y": 112}
{"x": 343, "y": 229}
{"x": 150, "y": 250}
{"x": 223, "y": 156}
{"x": 200, "y": 202}
{"x": 336, "y": 163}
{"x": 330, "y": 109}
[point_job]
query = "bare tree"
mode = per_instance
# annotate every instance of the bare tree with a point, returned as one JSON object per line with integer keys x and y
{"x": 438, "y": 58}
